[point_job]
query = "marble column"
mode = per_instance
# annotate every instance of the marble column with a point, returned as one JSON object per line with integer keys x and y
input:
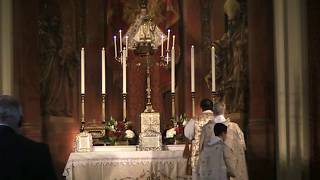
{"x": 291, "y": 90}
{"x": 6, "y": 48}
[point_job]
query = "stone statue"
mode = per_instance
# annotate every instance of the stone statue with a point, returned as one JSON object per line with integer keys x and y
{"x": 58, "y": 63}
{"x": 232, "y": 52}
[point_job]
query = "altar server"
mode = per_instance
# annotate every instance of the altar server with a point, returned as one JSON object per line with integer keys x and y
{"x": 216, "y": 158}
{"x": 235, "y": 140}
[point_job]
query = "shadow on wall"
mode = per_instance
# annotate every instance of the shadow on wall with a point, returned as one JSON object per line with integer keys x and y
{"x": 59, "y": 134}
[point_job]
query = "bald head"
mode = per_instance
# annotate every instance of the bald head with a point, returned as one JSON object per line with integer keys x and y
{"x": 219, "y": 108}
{"x": 10, "y": 111}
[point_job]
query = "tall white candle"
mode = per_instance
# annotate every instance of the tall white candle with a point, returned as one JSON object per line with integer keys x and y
{"x": 193, "y": 89}
{"x": 173, "y": 40}
{"x": 172, "y": 70}
{"x": 115, "y": 46}
{"x": 167, "y": 57}
{"x": 162, "y": 45}
{"x": 120, "y": 38}
{"x": 82, "y": 72}
{"x": 127, "y": 43}
{"x": 168, "y": 40}
{"x": 124, "y": 72}
{"x": 213, "y": 69}
{"x": 103, "y": 71}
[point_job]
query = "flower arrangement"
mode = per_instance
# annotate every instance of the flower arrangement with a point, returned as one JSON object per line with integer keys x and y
{"x": 117, "y": 131}
{"x": 177, "y": 131}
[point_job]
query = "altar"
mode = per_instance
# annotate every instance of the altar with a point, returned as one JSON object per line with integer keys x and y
{"x": 125, "y": 162}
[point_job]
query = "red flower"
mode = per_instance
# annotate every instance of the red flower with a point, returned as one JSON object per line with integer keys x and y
{"x": 179, "y": 129}
{"x": 121, "y": 126}
{"x": 120, "y": 133}
{"x": 110, "y": 133}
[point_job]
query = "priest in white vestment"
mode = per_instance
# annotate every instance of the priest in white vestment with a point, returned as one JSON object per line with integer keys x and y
{"x": 192, "y": 131}
{"x": 235, "y": 140}
{"x": 216, "y": 161}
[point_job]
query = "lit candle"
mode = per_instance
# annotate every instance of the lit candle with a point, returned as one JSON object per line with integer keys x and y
{"x": 167, "y": 57}
{"x": 127, "y": 42}
{"x": 213, "y": 70}
{"x": 172, "y": 70}
{"x": 127, "y": 46}
{"x": 115, "y": 46}
{"x": 168, "y": 40}
{"x": 124, "y": 72}
{"x": 103, "y": 71}
{"x": 120, "y": 38}
{"x": 173, "y": 40}
{"x": 162, "y": 45}
{"x": 192, "y": 70}
{"x": 82, "y": 72}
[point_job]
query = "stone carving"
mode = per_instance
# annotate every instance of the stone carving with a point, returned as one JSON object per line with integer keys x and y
{"x": 58, "y": 62}
{"x": 150, "y": 137}
{"x": 232, "y": 61}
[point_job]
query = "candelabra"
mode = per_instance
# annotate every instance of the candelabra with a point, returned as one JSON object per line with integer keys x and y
{"x": 144, "y": 37}
{"x": 165, "y": 60}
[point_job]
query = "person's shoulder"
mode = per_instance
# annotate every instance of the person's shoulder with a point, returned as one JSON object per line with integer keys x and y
{"x": 226, "y": 148}
{"x": 233, "y": 125}
{"x": 31, "y": 145}
{"x": 209, "y": 124}
{"x": 205, "y": 115}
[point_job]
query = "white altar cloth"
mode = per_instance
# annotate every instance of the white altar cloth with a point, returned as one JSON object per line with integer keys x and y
{"x": 126, "y": 164}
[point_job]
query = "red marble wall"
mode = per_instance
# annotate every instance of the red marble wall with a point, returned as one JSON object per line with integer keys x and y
{"x": 94, "y": 41}
{"x": 192, "y": 36}
{"x": 26, "y": 65}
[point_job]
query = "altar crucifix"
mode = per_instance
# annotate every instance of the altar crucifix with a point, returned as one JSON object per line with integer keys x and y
{"x": 144, "y": 37}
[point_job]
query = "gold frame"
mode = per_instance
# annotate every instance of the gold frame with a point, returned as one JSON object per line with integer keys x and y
{"x": 83, "y": 142}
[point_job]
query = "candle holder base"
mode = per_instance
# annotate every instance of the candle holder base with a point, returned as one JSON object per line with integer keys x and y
{"x": 173, "y": 112}
{"x": 193, "y": 96}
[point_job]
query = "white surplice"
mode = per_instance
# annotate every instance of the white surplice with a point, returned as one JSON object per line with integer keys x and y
{"x": 216, "y": 160}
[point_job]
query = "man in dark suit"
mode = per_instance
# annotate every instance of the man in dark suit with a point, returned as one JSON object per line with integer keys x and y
{"x": 20, "y": 158}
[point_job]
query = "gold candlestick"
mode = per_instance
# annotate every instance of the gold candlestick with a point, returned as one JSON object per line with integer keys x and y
{"x": 124, "y": 99}
{"x": 214, "y": 95}
{"x": 82, "y": 116}
{"x": 103, "y": 108}
{"x": 173, "y": 112}
{"x": 148, "y": 90}
{"x": 193, "y": 96}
